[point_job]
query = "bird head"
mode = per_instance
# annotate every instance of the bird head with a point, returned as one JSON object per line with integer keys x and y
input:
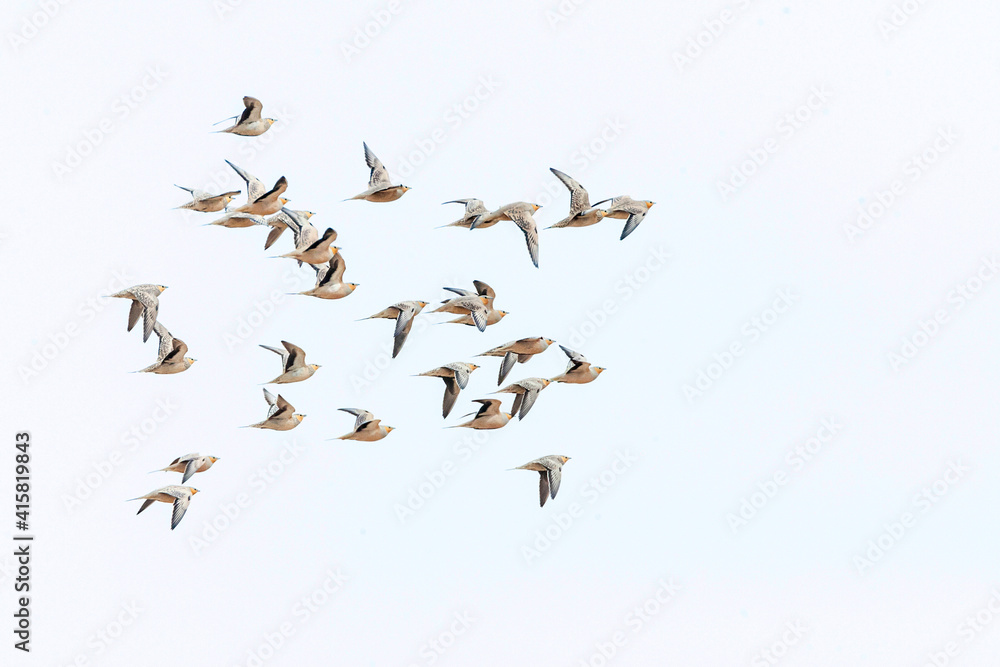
{"x": 300, "y": 417}
{"x": 649, "y": 204}
{"x": 190, "y": 360}
{"x": 564, "y": 458}
{"x": 423, "y": 304}
{"x": 509, "y": 416}
{"x": 161, "y": 288}
{"x": 194, "y": 491}
{"x": 535, "y": 207}
{"x": 315, "y": 367}
{"x": 473, "y": 366}
{"x": 271, "y": 121}
{"x": 548, "y": 341}
{"x": 213, "y": 459}
{"x": 503, "y": 313}
{"x": 308, "y": 214}
{"x": 546, "y": 383}
{"x": 404, "y": 188}
{"x": 335, "y": 249}
{"x": 600, "y": 213}
{"x": 284, "y": 200}
{"x": 353, "y": 286}
{"x": 485, "y": 300}
{"x": 389, "y": 429}
{"x": 599, "y": 369}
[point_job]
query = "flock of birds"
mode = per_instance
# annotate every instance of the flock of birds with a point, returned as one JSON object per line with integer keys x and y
{"x": 267, "y": 207}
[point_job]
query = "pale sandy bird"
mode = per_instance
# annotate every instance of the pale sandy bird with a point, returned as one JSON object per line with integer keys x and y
{"x": 518, "y": 351}
{"x": 280, "y": 414}
{"x": 550, "y": 470}
{"x": 330, "y": 280}
{"x": 293, "y": 364}
{"x": 625, "y": 208}
{"x": 474, "y": 208}
{"x": 304, "y": 232}
{"x": 179, "y": 496}
{"x": 520, "y": 214}
{"x": 237, "y": 220}
{"x": 456, "y": 377}
{"x": 260, "y": 200}
{"x": 403, "y": 312}
{"x": 145, "y": 302}
{"x": 366, "y": 427}
{"x": 581, "y": 213}
{"x": 380, "y": 188}
{"x": 319, "y": 251}
{"x": 284, "y": 219}
{"x": 526, "y": 391}
{"x": 250, "y": 124}
{"x": 489, "y": 416}
{"x": 579, "y": 370}
{"x": 189, "y": 464}
{"x": 473, "y": 306}
{"x": 204, "y": 202}
{"x": 170, "y": 358}
{"x": 482, "y": 289}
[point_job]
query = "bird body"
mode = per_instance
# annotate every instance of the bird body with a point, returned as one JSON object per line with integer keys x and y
{"x": 189, "y": 464}
{"x": 517, "y": 351}
{"x": 550, "y": 470}
{"x": 204, "y": 202}
{"x": 250, "y": 124}
{"x": 366, "y": 427}
{"x": 179, "y": 496}
{"x": 456, "y": 377}
{"x": 579, "y": 370}
{"x": 403, "y": 312}
{"x": 145, "y": 302}
{"x": 380, "y": 187}
{"x": 526, "y": 391}
{"x": 489, "y": 416}
{"x": 293, "y": 363}
{"x": 631, "y": 210}
{"x": 170, "y": 357}
{"x": 280, "y": 415}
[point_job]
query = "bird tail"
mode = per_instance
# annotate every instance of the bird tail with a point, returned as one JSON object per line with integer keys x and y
{"x": 223, "y": 121}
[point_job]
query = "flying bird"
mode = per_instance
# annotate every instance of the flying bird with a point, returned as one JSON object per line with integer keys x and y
{"x": 474, "y": 306}
{"x": 180, "y": 496}
{"x": 189, "y": 464}
{"x": 260, "y": 200}
{"x": 250, "y": 124}
{"x": 403, "y": 312}
{"x": 456, "y": 377}
{"x": 581, "y": 214}
{"x": 520, "y": 214}
{"x": 293, "y": 364}
{"x": 304, "y": 232}
{"x": 579, "y": 370}
{"x": 628, "y": 209}
{"x": 238, "y": 220}
{"x": 549, "y": 469}
{"x": 380, "y": 188}
{"x": 282, "y": 220}
{"x": 145, "y": 302}
{"x": 319, "y": 251}
{"x": 518, "y": 351}
{"x": 482, "y": 289}
{"x": 366, "y": 427}
{"x": 526, "y": 391}
{"x": 204, "y": 202}
{"x": 474, "y": 208}
{"x": 280, "y": 415}
{"x": 489, "y": 416}
{"x": 330, "y": 280}
{"x": 170, "y": 357}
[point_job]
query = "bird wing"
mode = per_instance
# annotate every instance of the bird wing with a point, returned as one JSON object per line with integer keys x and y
{"x": 555, "y": 477}
{"x": 451, "y": 390}
{"x": 133, "y": 314}
{"x": 255, "y": 188}
{"x": 633, "y": 221}
{"x": 379, "y": 176}
{"x": 576, "y": 360}
{"x": 329, "y": 236}
{"x": 282, "y": 353}
{"x": 361, "y": 415}
{"x": 506, "y": 365}
{"x": 491, "y": 406}
{"x": 528, "y": 399}
{"x": 150, "y": 304}
{"x": 367, "y": 426}
{"x": 483, "y": 289}
{"x": 459, "y": 291}
{"x": 190, "y": 469}
{"x": 180, "y": 507}
{"x": 461, "y": 376}
{"x": 523, "y": 219}
{"x": 543, "y": 487}
{"x": 279, "y": 187}
{"x": 296, "y": 356}
{"x": 335, "y": 270}
{"x": 284, "y": 408}
{"x": 579, "y": 200}
{"x": 252, "y": 110}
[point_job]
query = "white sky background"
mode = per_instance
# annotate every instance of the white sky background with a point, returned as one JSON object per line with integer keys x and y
{"x": 557, "y": 87}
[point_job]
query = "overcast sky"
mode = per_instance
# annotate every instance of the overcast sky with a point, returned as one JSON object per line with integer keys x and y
{"x": 792, "y": 457}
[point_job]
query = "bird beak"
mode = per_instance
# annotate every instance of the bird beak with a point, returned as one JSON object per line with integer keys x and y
{"x": 194, "y": 491}
{"x": 535, "y": 206}
{"x": 284, "y": 201}
{"x": 390, "y": 429}
{"x": 649, "y": 204}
